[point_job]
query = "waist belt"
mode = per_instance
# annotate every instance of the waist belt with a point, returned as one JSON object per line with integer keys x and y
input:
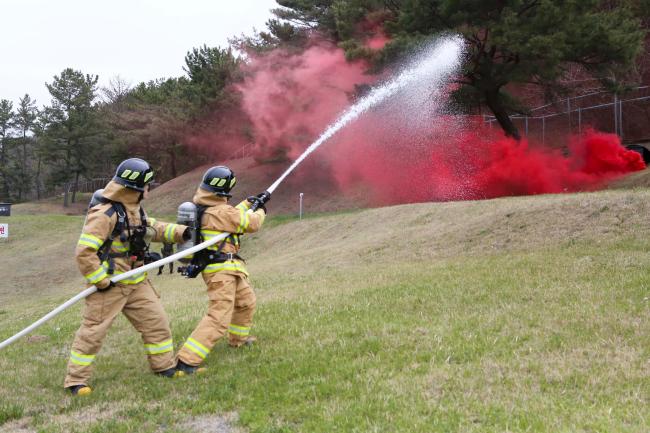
{"x": 223, "y": 257}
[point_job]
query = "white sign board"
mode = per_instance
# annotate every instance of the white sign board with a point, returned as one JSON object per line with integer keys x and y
{"x": 4, "y": 230}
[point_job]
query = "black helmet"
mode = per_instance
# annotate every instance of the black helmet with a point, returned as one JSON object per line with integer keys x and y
{"x": 219, "y": 180}
{"x": 134, "y": 173}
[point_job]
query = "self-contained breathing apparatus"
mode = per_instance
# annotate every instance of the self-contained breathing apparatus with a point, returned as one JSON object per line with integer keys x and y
{"x": 138, "y": 248}
{"x": 191, "y": 215}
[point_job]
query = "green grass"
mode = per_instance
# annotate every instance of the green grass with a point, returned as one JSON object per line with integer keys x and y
{"x": 534, "y": 337}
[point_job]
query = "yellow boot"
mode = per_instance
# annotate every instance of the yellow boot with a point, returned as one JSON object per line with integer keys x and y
{"x": 80, "y": 390}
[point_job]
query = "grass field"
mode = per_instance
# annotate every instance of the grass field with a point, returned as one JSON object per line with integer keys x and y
{"x": 514, "y": 315}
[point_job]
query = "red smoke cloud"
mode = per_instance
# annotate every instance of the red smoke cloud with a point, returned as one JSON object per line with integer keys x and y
{"x": 478, "y": 165}
{"x": 291, "y": 98}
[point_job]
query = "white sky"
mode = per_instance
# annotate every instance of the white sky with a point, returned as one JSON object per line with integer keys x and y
{"x": 139, "y": 40}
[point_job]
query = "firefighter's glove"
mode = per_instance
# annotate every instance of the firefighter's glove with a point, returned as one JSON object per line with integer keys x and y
{"x": 149, "y": 234}
{"x": 255, "y": 203}
{"x": 264, "y": 197}
{"x": 104, "y": 285}
{"x": 187, "y": 234}
{"x": 258, "y": 201}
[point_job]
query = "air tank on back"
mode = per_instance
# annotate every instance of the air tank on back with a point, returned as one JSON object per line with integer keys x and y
{"x": 97, "y": 198}
{"x": 187, "y": 215}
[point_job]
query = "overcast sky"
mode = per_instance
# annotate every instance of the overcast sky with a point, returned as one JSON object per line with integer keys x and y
{"x": 138, "y": 40}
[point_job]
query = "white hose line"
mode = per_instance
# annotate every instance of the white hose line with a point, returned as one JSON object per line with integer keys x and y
{"x": 89, "y": 291}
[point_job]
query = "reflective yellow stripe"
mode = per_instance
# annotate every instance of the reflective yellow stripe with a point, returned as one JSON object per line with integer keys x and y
{"x": 152, "y": 221}
{"x": 97, "y": 276}
{"x": 197, "y": 347}
{"x": 169, "y": 232}
{"x": 119, "y": 247}
{"x": 244, "y": 220}
{"x": 158, "y": 348}
{"x": 247, "y": 218}
{"x": 90, "y": 241}
{"x": 209, "y": 234}
{"x": 133, "y": 279}
{"x": 79, "y": 359}
{"x": 239, "y": 330}
{"x": 243, "y": 205}
{"x": 226, "y": 266}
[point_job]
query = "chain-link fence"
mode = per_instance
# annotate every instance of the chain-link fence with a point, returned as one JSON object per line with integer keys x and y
{"x": 628, "y": 116}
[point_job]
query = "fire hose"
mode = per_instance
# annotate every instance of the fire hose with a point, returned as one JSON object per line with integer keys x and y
{"x": 133, "y": 272}
{"x": 435, "y": 61}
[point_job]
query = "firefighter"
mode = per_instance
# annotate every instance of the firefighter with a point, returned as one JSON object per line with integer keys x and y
{"x": 231, "y": 298}
{"x": 115, "y": 240}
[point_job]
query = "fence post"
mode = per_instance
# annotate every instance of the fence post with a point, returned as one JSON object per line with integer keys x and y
{"x": 300, "y": 208}
{"x": 615, "y": 113}
{"x": 620, "y": 118}
{"x": 579, "y": 121}
{"x": 526, "y": 126}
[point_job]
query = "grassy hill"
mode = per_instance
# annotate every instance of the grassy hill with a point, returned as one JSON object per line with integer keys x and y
{"x": 320, "y": 194}
{"x": 519, "y": 314}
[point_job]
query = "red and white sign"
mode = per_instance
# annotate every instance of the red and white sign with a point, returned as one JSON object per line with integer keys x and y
{"x": 4, "y": 230}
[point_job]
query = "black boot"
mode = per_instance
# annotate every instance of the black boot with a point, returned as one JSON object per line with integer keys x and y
{"x": 186, "y": 369}
{"x": 170, "y": 373}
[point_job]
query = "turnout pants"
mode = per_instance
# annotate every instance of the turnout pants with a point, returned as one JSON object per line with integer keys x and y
{"x": 142, "y": 307}
{"x": 231, "y": 308}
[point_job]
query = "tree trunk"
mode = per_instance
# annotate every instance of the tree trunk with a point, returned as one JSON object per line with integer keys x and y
{"x": 76, "y": 186}
{"x": 24, "y": 181}
{"x": 493, "y": 101}
{"x": 66, "y": 188}
{"x": 38, "y": 179}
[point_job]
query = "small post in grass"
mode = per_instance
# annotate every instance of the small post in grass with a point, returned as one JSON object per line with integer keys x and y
{"x": 300, "y": 207}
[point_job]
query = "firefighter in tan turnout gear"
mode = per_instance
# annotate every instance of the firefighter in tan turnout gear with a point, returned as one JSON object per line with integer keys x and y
{"x": 115, "y": 240}
{"x": 231, "y": 299}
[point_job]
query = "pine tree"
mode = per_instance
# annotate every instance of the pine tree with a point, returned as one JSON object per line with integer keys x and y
{"x": 24, "y": 121}
{"x": 73, "y": 131}
{"x": 6, "y": 118}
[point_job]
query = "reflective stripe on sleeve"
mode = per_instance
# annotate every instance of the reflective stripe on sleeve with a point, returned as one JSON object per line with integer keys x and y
{"x": 158, "y": 348}
{"x": 169, "y": 232}
{"x": 79, "y": 359}
{"x": 97, "y": 276}
{"x": 197, "y": 347}
{"x": 152, "y": 221}
{"x": 239, "y": 330}
{"x": 244, "y": 220}
{"x": 244, "y": 205}
{"x": 91, "y": 241}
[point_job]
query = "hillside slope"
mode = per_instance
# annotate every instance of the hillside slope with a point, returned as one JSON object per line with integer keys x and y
{"x": 526, "y": 314}
{"x": 320, "y": 194}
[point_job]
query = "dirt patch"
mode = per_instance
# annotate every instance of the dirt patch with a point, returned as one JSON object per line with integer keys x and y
{"x": 18, "y": 426}
{"x": 212, "y": 424}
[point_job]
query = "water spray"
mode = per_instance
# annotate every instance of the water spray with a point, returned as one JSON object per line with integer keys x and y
{"x": 437, "y": 61}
